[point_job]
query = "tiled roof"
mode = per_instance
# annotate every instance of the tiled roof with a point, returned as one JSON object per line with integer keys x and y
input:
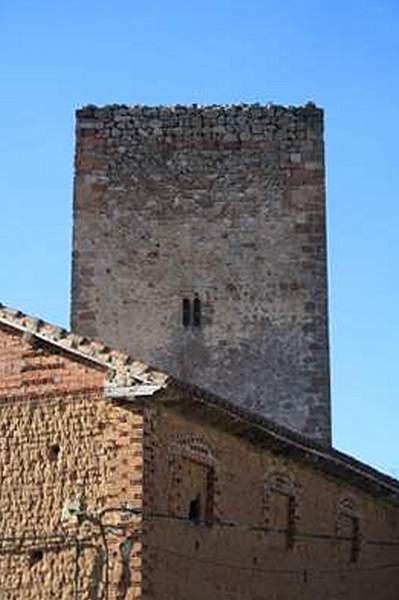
{"x": 122, "y": 370}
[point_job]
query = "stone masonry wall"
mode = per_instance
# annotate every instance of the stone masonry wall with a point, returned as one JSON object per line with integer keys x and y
{"x": 62, "y": 445}
{"x": 280, "y": 529}
{"x": 222, "y": 204}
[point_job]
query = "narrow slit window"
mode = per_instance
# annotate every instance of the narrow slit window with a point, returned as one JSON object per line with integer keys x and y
{"x": 348, "y": 530}
{"x": 197, "y": 312}
{"x": 281, "y": 510}
{"x": 210, "y": 492}
{"x": 194, "y": 513}
{"x": 186, "y": 312}
{"x": 349, "y": 538}
{"x": 282, "y": 519}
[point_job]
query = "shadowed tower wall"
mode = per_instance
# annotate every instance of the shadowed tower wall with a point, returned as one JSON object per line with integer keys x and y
{"x": 199, "y": 246}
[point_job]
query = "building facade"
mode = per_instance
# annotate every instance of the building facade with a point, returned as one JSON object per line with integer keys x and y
{"x": 199, "y": 246}
{"x": 119, "y": 482}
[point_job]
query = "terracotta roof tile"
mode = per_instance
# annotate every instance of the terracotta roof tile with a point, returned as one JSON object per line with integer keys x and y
{"x": 122, "y": 369}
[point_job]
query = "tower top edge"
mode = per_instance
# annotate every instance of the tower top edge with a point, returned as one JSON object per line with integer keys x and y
{"x": 256, "y": 109}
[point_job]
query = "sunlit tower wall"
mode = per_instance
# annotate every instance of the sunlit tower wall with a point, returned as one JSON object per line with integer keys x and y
{"x": 200, "y": 247}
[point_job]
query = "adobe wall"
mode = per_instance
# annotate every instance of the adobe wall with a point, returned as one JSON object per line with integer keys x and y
{"x": 222, "y": 204}
{"x": 271, "y": 528}
{"x": 63, "y": 445}
{"x": 245, "y": 554}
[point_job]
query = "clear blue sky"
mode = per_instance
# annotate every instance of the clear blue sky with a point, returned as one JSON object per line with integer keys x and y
{"x": 344, "y": 55}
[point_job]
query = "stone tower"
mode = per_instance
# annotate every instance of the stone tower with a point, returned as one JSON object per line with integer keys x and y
{"x": 200, "y": 247}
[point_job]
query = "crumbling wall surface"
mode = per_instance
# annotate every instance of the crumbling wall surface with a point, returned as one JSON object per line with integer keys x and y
{"x": 224, "y": 204}
{"x": 280, "y": 530}
{"x": 67, "y": 457}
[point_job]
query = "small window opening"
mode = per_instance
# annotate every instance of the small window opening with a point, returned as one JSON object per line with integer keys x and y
{"x": 290, "y": 534}
{"x": 35, "y": 556}
{"x": 282, "y": 518}
{"x": 210, "y": 493}
{"x": 186, "y": 312}
{"x": 195, "y": 509}
{"x": 350, "y": 538}
{"x": 355, "y": 550}
{"x": 197, "y": 312}
{"x": 54, "y": 451}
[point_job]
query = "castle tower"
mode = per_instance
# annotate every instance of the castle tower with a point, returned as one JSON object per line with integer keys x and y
{"x": 200, "y": 247}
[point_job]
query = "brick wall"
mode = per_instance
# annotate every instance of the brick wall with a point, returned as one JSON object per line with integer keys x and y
{"x": 63, "y": 445}
{"x": 221, "y": 205}
{"x": 281, "y": 530}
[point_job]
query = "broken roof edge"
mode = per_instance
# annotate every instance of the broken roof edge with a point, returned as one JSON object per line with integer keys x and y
{"x": 129, "y": 379}
{"x": 120, "y": 367}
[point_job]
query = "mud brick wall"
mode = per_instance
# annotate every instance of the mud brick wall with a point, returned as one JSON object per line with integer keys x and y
{"x": 255, "y": 549}
{"x": 225, "y": 204}
{"x": 62, "y": 444}
{"x": 170, "y": 504}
